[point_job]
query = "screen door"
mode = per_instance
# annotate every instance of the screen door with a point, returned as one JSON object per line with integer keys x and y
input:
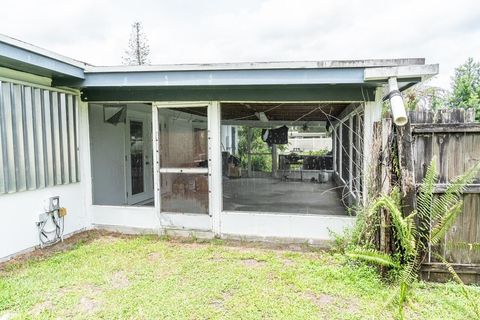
{"x": 183, "y": 161}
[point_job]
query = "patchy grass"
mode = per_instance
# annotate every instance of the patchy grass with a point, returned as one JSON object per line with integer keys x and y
{"x": 120, "y": 277}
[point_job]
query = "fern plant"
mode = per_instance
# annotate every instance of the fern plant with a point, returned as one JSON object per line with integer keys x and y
{"x": 416, "y": 232}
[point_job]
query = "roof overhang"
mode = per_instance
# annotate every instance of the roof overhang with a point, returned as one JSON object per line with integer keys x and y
{"x": 405, "y": 73}
{"x": 21, "y": 56}
{"x": 333, "y": 81}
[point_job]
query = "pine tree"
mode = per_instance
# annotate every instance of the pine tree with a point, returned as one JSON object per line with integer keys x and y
{"x": 138, "y": 49}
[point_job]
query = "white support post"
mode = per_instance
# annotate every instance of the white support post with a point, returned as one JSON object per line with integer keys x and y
{"x": 373, "y": 113}
{"x": 274, "y": 160}
{"x": 334, "y": 147}
{"x": 340, "y": 147}
{"x": 359, "y": 160}
{"x": 215, "y": 166}
{"x": 249, "y": 152}
{"x": 156, "y": 164}
{"x": 84, "y": 157}
{"x": 350, "y": 154}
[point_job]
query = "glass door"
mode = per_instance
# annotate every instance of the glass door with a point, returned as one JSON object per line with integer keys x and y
{"x": 139, "y": 165}
{"x": 184, "y": 164}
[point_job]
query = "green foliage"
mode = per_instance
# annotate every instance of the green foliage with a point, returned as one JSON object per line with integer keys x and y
{"x": 465, "y": 91}
{"x": 436, "y": 216}
{"x": 472, "y": 301}
{"x": 404, "y": 226}
{"x": 466, "y": 87}
{"x": 424, "y": 204}
{"x": 262, "y": 163}
{"x": 446, "y": 221}
{"x": 320, "y": 152}
{"x": 423, "y": 95}
{"x": 373, "y": 256}
{"x": 258, "y": 162}
{"x": 475, "y": 246}
{"x": 137, "y": 277}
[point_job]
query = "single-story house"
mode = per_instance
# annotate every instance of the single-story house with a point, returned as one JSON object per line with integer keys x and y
{"x": 188, "y": 149}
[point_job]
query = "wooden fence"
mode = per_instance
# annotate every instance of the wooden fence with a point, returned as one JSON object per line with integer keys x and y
{"x": 453, "y": 137}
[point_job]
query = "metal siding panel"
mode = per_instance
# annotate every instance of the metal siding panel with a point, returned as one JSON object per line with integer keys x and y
{"x": 47, "y": 139}
{"x": 38, "y": 138}
{"x": 3, "y": 165}
{"x": 37, "y": 113}
{"x": 55, "y": 127}
{"x": 71, "y": 138}
{"x": 19, "y": 142}
{"x": 9, "y": 155}
{"x": 29, "y": 129}
{"x": 63, "y": 133}
{"x": 75, "y": 122}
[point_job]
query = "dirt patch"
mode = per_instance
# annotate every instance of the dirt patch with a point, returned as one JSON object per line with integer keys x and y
{"x": 246, "y": 245}
{"x": 288, "y": 262}
{"x": 219, "y": 304}
{"x": 69, "y": 243}
{"x": 321, "y": 300}
{"x": 349, "y": 305}
{"x": 154, "y": 256}
{"x": 217, "y": 259}
{"x": 109, "y": 238}
{"x": 252, "y": 263}
{"x": 119, "y": 280}
{"x": 41, "y": 307}
{"x": 353, "y": 305}
{"x": 8, "y": 316}
{"x": 89, "y": 305}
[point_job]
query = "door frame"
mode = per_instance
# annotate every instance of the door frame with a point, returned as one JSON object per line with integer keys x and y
{"x": 202, "y": 222}
{"x": 147, "y": 149}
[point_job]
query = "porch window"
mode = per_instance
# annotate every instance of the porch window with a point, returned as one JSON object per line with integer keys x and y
{"x": 284, "y": 159}
{"x": 349, "y": 161}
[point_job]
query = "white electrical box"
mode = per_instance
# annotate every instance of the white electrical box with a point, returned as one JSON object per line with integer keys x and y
{"x": 54, "y": 203}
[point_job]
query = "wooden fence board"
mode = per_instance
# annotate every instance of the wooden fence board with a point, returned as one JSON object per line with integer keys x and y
{"x": 453, "y": 138}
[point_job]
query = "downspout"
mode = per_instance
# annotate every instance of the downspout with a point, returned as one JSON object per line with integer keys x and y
{"x": 396, "y": 103}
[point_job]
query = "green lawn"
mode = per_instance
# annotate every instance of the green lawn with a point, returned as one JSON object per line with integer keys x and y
{"x": 108, "y": 276}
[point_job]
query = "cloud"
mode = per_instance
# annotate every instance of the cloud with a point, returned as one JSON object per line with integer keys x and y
{"x": 182, "y": 31}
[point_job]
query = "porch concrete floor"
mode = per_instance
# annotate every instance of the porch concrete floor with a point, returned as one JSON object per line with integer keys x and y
{"x": 275, "y": 195}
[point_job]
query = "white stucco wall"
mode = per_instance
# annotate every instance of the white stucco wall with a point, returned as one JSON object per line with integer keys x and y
{"x": 19, "y": 213}
{"x": 107, "y": 147}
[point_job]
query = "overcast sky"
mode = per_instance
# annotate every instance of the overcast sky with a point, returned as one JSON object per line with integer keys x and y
{"x": 193, "y": 31}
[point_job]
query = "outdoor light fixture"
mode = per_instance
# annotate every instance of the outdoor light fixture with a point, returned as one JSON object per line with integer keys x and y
{"x": 396, "y": 103}
{"x": 261, "y": 116}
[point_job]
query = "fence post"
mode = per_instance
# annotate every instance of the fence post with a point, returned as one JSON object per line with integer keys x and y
{"x": 385, "y": 185}
{"x": 405, "y": 159}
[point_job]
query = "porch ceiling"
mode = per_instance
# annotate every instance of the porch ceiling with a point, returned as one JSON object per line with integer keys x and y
{"x": 282, "y": 111}
{"x": 276, "y": 112}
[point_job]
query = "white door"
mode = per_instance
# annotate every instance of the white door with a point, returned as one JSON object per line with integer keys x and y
{"x": 138, "y": 157}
